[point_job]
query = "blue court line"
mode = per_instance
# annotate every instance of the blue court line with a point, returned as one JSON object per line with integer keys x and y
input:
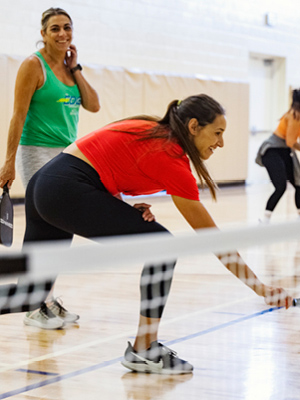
{"x": 222, "y": 326}
{"x": 60, "y": 378}
{"x": 116, "y": 360}
{"x": 32, "y": 371}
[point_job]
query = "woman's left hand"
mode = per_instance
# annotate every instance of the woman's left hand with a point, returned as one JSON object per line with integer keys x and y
{"x": 145, "y": 210}
{"x": 71, "y": 56}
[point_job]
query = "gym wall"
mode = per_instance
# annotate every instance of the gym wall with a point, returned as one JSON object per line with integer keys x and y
{"x": 141, "y": 54}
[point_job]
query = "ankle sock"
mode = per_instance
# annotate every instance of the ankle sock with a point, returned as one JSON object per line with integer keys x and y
{"x": 267, "y": 216}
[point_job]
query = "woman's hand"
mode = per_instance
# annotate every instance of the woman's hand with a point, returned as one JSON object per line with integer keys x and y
{"x": 7, "y": 175}
{"x": 71, "y": 56}
{"x": 296, "y": 146}
{"x": 277, "y": 297}
{"x": 145, "y": 210}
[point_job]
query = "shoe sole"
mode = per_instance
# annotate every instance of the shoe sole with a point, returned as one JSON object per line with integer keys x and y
{"x": 69, "y": 321}
{"x": 137, "y": 367}
{"x": 65, "y": 319}
{"x": 30, "y": 322}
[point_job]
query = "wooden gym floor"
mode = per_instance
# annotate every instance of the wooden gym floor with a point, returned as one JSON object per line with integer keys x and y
{"x": 240, "y": 348}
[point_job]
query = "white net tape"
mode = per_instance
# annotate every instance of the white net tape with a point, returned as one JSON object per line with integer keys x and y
{"x": 43, "y": 262}
{"x": 48, "y": 260}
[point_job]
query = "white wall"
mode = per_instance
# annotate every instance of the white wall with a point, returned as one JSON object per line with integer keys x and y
{"x": 213, "y": 37}
{"x": 208, "y": 39}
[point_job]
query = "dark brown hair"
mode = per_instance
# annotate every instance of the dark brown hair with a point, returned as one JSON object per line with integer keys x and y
{"x": 295, "y": 107}
{"x": 174, "y": 126}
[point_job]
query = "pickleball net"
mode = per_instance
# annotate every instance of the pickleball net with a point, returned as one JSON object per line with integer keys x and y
{"x": 236, "y": 342}
{"x": 269, "y": 250}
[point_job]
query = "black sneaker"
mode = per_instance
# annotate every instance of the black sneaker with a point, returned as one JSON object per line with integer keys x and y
{"x": 158, "y": 359}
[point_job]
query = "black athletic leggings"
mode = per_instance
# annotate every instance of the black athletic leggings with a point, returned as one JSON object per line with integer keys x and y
{"x": 67, "y": 197}
{"x": 279, "y": 164}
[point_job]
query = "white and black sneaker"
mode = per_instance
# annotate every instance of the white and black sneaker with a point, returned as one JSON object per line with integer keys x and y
{"x": 57, "y": 308}
{"x": 158, "y": 359}
{"x": 43, "y": 318}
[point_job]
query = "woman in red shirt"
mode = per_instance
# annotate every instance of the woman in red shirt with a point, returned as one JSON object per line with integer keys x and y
{"x": 79, "y": 192}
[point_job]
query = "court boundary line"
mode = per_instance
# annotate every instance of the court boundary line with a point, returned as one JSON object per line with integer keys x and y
{"x": 32, "y": 371}
{"x": 115, "y": 337}
{"x": 104, "y": 364}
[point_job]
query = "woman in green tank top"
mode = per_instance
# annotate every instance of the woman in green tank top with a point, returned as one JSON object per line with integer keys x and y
{"x": 48, "y": 92}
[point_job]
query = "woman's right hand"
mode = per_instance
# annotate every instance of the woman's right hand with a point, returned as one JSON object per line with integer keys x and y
{"x": 7, "y": 175}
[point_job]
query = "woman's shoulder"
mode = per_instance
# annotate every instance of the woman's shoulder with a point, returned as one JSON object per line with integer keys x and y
{"x": 31, "y": 63}
{"x": 292, "y": 117}
{"x": 31, "y": 72}
{"x": 288, "y": 115}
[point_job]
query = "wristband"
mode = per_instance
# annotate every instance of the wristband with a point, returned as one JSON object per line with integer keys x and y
{"x": 77, "y": 68}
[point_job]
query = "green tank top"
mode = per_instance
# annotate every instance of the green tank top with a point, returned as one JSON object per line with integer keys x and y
{"x": 53, "y": 114}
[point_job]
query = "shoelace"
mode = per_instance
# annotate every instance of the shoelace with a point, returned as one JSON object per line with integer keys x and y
{"x": 46, "y": 313}
{"x": 58, "y": 303}
{"x": 168, "y": 350}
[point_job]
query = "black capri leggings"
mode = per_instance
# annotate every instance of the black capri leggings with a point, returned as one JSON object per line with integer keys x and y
{"x": 67, "y": 197}
{"x": 279, "y": 164}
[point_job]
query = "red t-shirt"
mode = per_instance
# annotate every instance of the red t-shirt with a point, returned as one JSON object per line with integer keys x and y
{"x": 136, "y": 167}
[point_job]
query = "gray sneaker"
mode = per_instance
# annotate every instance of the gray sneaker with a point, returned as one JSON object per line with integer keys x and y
{"x": 43, "y": 318}
{"x": 57, "y": 309}
{"x": 158, "y": 359}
